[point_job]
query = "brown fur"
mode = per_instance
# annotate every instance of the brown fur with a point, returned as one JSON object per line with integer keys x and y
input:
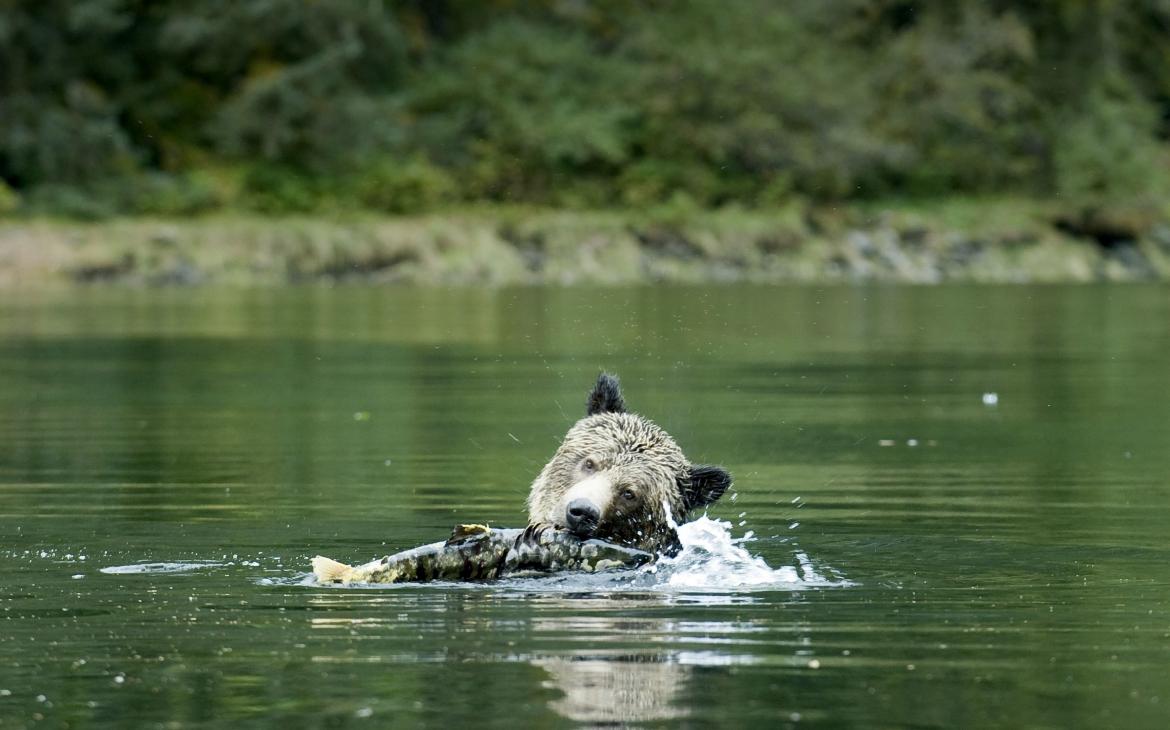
{"x": 627, "y": 466}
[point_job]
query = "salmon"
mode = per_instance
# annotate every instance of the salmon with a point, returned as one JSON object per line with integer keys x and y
{"x": 479, "y": 553}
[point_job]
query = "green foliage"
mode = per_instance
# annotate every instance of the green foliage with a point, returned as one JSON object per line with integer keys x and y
{"x": 393, "y": 186}
{"x": 76, "y": 141}
{"x": 167, "y": 195}
{"x": 951, "y": 102}
{"x": 314, "y": 89}
{"x": 275, "y": 189}
{"x": 139, "y": 194}
{"x": 653, "y": 181}
{"x": 120, "y": 106}
{"x": 69, "y": 201}
{"x": 1109, "y": 150}
{"x": 9, "y": 199}
{"x": 751, "y": 93}
{"x": 520, "y": 102}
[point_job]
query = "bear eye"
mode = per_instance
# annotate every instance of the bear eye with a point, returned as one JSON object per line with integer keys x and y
{"x": 589, "y": 465}
{"x": 628, "y": 495}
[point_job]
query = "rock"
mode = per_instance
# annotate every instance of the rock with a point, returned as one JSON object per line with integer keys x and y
{"x": 1110, "y": 226}
{"x": 1133, "y": 261}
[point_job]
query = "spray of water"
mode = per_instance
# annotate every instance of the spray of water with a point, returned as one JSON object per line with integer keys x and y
{"x": 711, "y": 558}
{"x": 712, "y": 562}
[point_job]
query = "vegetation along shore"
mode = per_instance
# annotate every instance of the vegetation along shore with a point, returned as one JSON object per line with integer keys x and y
{"x": 971, "y": 240}
{"x": 547, "y": 142}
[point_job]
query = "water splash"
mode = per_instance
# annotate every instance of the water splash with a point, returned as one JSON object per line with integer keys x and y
{"x": 713, "y": 565}
{"x": 712, "y": 558}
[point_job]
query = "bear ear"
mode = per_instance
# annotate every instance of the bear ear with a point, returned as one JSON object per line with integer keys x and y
{"x": 707, "y": 483}
{"x": 606, "y": 396}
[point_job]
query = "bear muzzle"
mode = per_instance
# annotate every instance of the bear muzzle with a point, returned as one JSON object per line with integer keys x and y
{"x": 582, "y": 517}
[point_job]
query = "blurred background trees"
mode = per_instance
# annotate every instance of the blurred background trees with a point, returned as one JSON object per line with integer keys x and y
{"x": 168, "y": 107}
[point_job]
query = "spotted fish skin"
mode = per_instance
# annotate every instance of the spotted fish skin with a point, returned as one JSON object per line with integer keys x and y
{"x": 477, "y": 553}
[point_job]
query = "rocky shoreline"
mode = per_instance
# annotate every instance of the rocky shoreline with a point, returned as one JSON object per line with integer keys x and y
{"x": 998, "y": 243}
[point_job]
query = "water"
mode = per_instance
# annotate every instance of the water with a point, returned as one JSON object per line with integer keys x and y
{"x": 920, "y": 554}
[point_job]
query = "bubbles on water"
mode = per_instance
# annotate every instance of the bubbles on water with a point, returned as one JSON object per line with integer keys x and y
{"x": 911, "y": 442}
{"x": 54, "y": 555}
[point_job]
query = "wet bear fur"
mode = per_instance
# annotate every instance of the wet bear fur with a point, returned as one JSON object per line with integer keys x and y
{"x": 618, "y": 477}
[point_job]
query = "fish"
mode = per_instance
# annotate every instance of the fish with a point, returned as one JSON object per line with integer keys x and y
{"x": 479, "y": 553}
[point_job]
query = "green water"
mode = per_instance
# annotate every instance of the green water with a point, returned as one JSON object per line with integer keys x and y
{"x": 1010, "y": 569}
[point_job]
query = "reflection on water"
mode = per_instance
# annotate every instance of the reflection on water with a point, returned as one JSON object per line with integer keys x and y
{"x": 601, "y": 688}
{"x": 603, "y": 685}
{"x": 929, "y": 559}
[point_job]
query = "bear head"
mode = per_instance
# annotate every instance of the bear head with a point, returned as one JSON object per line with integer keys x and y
{"x": 618, "y": 477}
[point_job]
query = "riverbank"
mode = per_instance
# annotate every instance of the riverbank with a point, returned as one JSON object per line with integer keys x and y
{"x": 961, "y": 240}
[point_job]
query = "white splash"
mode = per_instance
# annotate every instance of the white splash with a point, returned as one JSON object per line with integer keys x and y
{"x": 712, "y": 558}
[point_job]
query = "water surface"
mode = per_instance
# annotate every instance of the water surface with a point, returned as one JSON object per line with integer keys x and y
{"x": 984, "y": 565}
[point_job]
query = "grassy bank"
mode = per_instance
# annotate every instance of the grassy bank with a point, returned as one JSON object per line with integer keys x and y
{"x": 957, "y": 240}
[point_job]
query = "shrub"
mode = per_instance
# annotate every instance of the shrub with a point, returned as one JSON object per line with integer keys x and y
{"x": 9, "y": 199}
{"x": 1108, "y": 150}
{"x": 69, "y": 201}
{"x": 396, "y": 186}
{"x": 275, "y": 189}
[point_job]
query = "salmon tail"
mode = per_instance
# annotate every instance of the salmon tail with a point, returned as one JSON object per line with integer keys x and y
{"x": 330, "y": 571}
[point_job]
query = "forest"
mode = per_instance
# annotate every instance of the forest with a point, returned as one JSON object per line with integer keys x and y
{"x": 167, "y": 108}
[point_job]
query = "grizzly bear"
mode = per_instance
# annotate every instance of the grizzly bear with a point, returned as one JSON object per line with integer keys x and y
{"x": 618, "y": 477}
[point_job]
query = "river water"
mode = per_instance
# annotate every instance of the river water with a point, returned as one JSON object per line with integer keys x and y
{"x": 951, "y": 507}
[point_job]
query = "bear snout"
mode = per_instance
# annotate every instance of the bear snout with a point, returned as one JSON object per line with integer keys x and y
{"x": 582, "y": 517}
